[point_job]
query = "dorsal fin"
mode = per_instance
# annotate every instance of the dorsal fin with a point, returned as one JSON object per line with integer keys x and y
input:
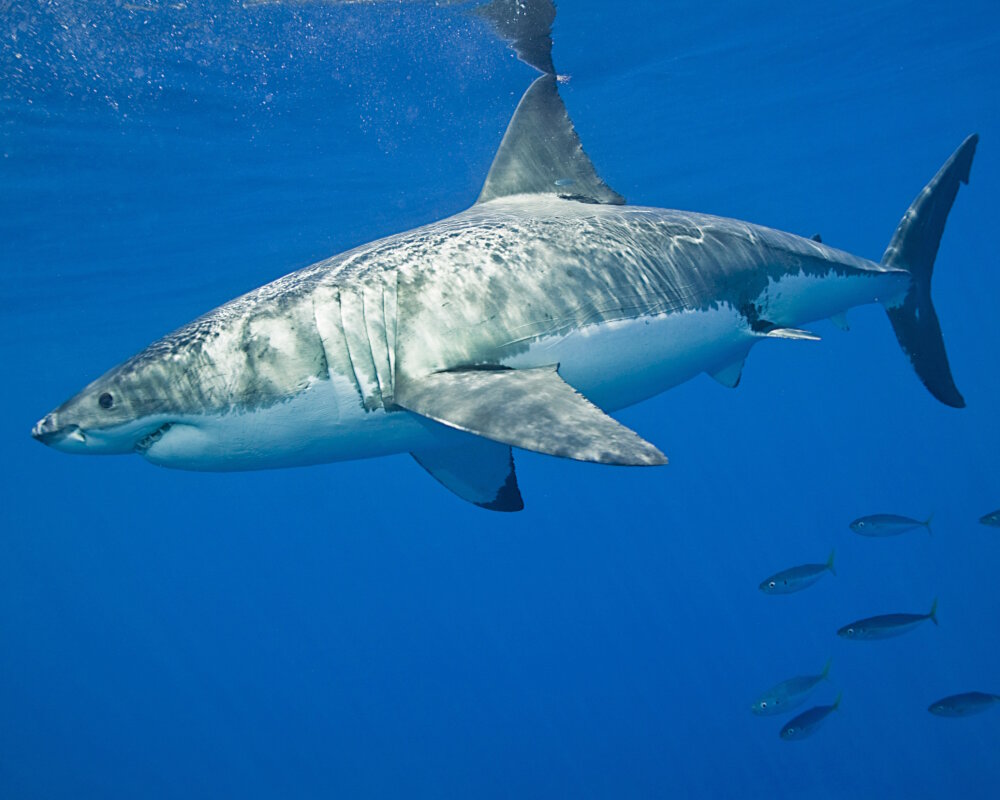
{"x": 541, "y": 153}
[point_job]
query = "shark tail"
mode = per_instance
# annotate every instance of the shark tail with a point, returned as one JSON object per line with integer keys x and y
{"x": 829, "y": 561}
{"x": 913, "y": 248}
{"x": 933, "y": 615}
{"x": 826, "y": 669}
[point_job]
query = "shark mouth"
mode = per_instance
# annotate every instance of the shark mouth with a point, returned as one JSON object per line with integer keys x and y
{"x": 150, "y": 439}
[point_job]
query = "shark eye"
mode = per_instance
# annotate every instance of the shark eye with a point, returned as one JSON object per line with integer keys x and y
{"x": 105, "y": 401}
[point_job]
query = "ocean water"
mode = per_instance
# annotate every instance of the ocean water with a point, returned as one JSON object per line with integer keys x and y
{"x": 354, "y": 630}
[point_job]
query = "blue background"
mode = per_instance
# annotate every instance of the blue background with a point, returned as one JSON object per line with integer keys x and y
{"x": 355, "y": 630}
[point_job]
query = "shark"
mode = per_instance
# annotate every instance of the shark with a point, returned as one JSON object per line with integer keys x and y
{"x": 521, "y": 322}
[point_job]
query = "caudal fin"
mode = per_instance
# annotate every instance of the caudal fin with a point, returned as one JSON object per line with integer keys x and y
{"x": 933, "y": 615}
{"x": 914, "y": 247}
{"x": 829, "y": 561}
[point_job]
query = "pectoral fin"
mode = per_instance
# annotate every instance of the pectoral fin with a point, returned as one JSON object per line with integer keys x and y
{"x": 729, "y": 376}
{"x": 533, "y": 409}
{"x": 477, "y": 470}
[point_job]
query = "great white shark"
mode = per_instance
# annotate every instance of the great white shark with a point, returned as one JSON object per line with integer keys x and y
{"x": 520, "y": 322}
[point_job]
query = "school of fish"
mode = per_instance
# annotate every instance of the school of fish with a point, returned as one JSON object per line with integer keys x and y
{"x": 792, "y": 693}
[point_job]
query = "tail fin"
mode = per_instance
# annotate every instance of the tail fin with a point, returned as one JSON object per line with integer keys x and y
{"x": 826, "y": 668}
{"x": 927, "y": 522}
{"x": 836, "y": 703}
{"x": 933, "y": 615}
{"x": 913, "y": 248}
{"x": 829, "y": 561}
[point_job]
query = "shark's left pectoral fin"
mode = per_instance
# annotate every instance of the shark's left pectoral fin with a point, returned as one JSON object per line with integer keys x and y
{"x": 533, "y": 409}
{"x": 729, "y": 376}
{"x": 478, "y": 470}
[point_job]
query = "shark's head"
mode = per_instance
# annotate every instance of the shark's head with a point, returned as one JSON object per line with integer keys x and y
{"x": 123, "y": 411}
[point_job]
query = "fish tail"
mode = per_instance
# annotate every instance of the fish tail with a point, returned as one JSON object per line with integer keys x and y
{"x": 927, "y": 522}
{"x": 913, "y": 248}
{"x": 933, "y": 615}
{"x": 836, "y": 703}
{"x": 826, "y": 668}
{"x": 829, "y": 561}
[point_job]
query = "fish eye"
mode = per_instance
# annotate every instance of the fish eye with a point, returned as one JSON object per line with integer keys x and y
{"x": 105, "y": 401}
{"x": 763, "y": 703}
{"x": 850, "y": 631}
{"x": 771, "y": 585}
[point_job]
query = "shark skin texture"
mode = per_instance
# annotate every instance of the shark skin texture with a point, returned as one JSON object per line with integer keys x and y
{"x": 520, "y": 322}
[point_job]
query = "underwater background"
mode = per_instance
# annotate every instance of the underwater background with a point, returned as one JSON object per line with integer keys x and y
{"x": 353, "y": 629}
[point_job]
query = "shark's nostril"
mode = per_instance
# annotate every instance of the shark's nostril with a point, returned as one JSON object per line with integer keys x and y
{"x": 44, "y": 426}
{"x": 48, "y": 430}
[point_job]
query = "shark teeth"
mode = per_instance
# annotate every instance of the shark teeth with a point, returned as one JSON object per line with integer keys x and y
{"x": 150, "y": 439}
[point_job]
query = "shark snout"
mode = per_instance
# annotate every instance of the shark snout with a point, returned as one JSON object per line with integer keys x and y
{"x": 49, "y": 431}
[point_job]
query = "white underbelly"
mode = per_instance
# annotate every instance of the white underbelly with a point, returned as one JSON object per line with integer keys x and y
{"x": 617, "y": 364}
{"x": 801, "y": 299}
{"x": 324, "y": 423}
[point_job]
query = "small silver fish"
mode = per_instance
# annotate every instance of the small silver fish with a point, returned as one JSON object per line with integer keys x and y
{"x": 806, "y": 723}
{"x": 992, "y": 519}
{"x": 961, "y": 705}
{"x": 788, "y": 694}
{"x": 886, "y": 625}
{"x": 888, "y": 525}
{"x": 564, "y": 182}
{"x": 795, "y": 579}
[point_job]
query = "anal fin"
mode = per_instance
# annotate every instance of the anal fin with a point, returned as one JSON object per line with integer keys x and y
{"x": 533, "y": 409}
{"x": 840, "y": 320}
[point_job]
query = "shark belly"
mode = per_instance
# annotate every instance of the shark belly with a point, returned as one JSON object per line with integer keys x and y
{"x": 323, "y": 423}
{"x": 800, "y": 299}
{"x": 620, "y": 363}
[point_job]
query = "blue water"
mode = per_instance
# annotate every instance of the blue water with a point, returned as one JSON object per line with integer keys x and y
{"x": 353, "y": 630}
